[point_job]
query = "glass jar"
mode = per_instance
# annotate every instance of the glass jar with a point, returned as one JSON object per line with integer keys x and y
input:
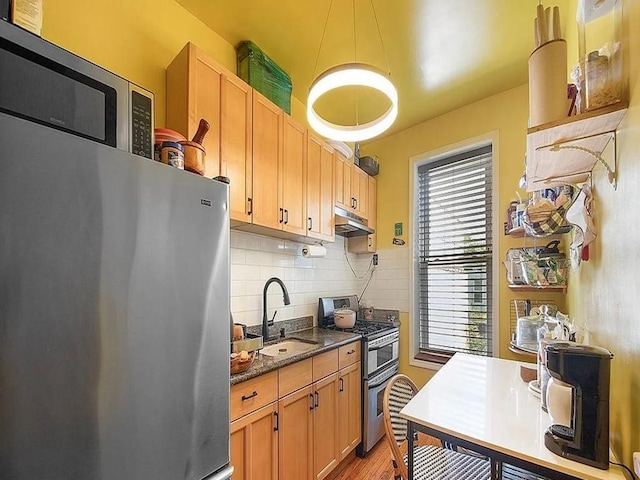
{"x": 600, "y": 51}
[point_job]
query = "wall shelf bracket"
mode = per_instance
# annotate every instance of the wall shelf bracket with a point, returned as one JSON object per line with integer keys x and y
{"x": 611, "y": 171}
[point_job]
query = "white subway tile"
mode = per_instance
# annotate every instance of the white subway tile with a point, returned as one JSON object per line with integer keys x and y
{"x": 237, "y": 256}
{"x": 244, "y": 272}
{"x": 258, "y": 258}
{"x": 238, "y": 288}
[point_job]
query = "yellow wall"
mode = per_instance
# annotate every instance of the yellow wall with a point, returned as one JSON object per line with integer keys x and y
{"x": 135, "y": 39}
{"x": 603, "y": 294}
{"x": 505, "y": 115}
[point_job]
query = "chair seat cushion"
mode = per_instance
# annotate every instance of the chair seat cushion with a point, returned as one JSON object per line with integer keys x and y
{"x": 436, "y": 463}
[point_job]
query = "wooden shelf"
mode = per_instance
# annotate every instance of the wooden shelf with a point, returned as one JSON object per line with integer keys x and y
{"x": 532, "y": 288}
{"x": 548, "y": 166}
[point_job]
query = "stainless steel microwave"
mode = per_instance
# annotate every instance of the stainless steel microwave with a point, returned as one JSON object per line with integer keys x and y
{"x": 46, "y": 84}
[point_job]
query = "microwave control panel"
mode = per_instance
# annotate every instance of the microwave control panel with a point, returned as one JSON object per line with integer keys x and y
{"x": 141, "y": 124}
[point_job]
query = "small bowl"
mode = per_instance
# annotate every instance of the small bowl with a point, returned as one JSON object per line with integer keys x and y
{"x": 239, "y": 366}
{"x": 194, "y": 155}
{"x": 528, "y": 373}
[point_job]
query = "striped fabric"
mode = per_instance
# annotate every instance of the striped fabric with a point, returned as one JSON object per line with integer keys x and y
{"x": 509, "y": 472}
{"x": 400, "y": 394}
{"x": 435, "y": 463}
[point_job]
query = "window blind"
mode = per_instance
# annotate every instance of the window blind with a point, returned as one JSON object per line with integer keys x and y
{"x": 455, "y": 249}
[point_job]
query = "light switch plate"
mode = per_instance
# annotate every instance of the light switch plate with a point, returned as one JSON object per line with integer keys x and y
{"x": 636, "y": 462}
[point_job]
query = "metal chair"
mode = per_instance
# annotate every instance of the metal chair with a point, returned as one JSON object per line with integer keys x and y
{"x": 431, "y": 462}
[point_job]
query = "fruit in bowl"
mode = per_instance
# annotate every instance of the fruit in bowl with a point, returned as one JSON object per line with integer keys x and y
{"x": 241, "y": 361}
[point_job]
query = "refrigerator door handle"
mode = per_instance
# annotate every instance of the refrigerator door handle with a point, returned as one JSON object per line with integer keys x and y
{"x": 221, "y": 475}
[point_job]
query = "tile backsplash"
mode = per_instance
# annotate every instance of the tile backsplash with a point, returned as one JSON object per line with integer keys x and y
{"x": 256, "y": 258}
{"x": 389, "y": 287}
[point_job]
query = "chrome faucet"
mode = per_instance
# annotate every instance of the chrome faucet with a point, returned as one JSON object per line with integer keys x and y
{"x": 266, "y": 323}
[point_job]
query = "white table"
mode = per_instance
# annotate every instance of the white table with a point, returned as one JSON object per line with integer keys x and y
{"x": 481, "y": 403}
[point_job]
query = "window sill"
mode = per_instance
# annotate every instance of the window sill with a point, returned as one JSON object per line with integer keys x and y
{"x": 426, "y": 361}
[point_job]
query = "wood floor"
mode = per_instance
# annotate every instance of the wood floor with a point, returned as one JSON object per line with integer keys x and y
{"x": 377, "y": 465}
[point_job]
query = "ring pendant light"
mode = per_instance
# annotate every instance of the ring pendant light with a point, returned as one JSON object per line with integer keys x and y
{"x": 351, "y": 74}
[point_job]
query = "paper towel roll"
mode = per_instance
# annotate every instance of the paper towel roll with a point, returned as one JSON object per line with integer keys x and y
{"x": 310, "y": 251}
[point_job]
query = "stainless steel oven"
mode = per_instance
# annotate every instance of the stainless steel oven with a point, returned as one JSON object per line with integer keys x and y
{"x": 372, "y": 414}
{"x": 381, "y": 352}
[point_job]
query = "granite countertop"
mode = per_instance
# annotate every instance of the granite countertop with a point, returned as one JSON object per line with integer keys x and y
{"x": 325, "y": 340}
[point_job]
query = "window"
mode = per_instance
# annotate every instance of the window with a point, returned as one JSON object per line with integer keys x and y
{"x": 453, "y": 267}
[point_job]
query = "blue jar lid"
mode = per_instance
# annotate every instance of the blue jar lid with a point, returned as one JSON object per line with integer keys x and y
{"x": 172, "y": 144}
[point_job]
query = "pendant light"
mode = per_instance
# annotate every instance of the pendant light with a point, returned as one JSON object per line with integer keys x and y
{"x": 351, "y": 74}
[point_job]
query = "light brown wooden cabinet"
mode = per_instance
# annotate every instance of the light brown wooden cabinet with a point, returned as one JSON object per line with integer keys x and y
{"x": 267, "y": 153}
{"x": 352, "y": 186}
{"x": 296, "y": 435}
{"x": 236, "y": 144}
{"x": 254, "y": 445}
{"x": 369, "y": 243}
{"x": 293, "y": 177}
{"x": 359, "y": 191}
{"x": 325, "y": 426}
{"x": 312, "y": 426}
{"x": 349, "y": 408}
{"x": 344, "y": 169}
{"x": 199, "y": 87}
{"x": 320, "y": 189}
{"x": 193, "y": 92}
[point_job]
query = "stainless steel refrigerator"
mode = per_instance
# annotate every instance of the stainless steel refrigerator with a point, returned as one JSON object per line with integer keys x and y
{"x": 114, "y": 313}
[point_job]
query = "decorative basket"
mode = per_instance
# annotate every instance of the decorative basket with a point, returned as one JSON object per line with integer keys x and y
{"x": 238, "y": 366}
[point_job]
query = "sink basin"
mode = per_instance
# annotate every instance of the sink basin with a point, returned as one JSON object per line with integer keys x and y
{"x": 287, "y": 348}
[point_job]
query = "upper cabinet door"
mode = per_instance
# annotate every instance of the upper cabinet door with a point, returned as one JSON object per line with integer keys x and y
{"x": 293, "y": 177}
{"x": 193, "y": 92}
{"x": 320, "y": 189}
{"x": 344, "y": 195}
{"x": 359, "y": 187}
{"x": 236, "y": 142}
{"x": 267, "y": 152}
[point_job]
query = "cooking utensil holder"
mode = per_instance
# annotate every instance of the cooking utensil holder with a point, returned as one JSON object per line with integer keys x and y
{"x": 548, "y": 83}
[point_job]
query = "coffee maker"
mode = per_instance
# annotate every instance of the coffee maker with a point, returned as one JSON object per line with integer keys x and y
{"x": 587, "y": 370}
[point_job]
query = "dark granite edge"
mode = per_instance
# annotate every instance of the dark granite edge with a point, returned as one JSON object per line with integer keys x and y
{"x": 271, "y": 365}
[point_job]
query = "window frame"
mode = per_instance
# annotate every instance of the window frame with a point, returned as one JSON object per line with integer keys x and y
{"x": 415, "y": 162}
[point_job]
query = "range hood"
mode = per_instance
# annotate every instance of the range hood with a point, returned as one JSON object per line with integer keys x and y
{"x": 350, "y": 225}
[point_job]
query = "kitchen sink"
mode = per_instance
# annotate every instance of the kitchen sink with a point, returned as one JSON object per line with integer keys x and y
{"x": 287, "y": 348}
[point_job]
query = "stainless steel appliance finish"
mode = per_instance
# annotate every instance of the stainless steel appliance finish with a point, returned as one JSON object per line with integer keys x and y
{"x": 46, "y": 84}
{"x": 381, "y": 352}
{"x": 350, "y": 225}
{"x": 380, "y": 348}
{"x": 372, "y": 413}
{"x": 114, "y": 313}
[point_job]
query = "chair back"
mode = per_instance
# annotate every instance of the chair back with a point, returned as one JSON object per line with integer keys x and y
{"x": 397, "y": 394}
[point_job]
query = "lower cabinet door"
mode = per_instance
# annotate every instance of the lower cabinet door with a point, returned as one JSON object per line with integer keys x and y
{"x": 349, "y": 408}
{"x": 254, "y": 445}
{"x": 296, "y": 435}
{"x": 325, "y": 426}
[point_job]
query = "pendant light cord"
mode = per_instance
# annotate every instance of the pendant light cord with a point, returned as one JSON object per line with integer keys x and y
{"x": 355, "y": 58}
{"x": 384, "y": 51}
{"x": 324, "y": 30}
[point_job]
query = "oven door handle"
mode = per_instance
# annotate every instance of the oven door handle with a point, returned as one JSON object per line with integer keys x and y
{"x": 378, "y": 347}
{"x": 382, "y": 382}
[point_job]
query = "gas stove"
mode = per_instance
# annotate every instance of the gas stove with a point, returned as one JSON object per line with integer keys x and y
{"x": 368, "y": 329}
{"x": 364, "y": 328}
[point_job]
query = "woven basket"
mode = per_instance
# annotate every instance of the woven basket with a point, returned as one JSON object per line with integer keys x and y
{"x": 239, "y": 366}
